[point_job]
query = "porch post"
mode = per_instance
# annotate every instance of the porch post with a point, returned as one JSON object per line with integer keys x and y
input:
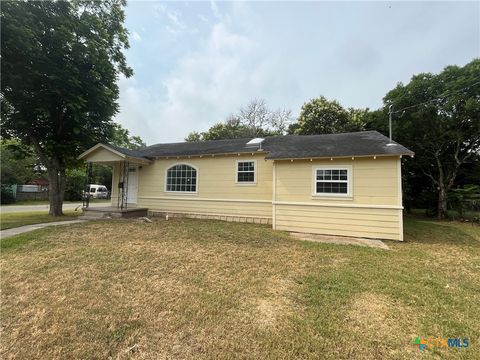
{"x": 88, "y": 177}
{"x": 123, "y": 186}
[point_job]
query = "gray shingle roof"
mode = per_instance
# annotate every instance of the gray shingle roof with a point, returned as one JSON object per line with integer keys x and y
{"x": 363, "y": 143}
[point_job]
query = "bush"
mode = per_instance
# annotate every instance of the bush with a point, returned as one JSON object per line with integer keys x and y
{"x": 465, "y": 199}
{"x": 7, "y": 195}
{"x": 74, "y": 185}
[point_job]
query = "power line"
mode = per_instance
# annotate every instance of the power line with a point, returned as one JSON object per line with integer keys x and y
{"x": 435, "y": 99}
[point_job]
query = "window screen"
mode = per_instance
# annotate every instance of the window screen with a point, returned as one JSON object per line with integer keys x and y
{"x": 182, "y": 178}
{"x": 331, "y": 181}
{"x": 246, "y": 171}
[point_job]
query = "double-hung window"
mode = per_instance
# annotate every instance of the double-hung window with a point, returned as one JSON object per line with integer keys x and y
{"x": 181, "y": 178}
{"x": 333, "y": 181}
{"x": 246, "y": 172}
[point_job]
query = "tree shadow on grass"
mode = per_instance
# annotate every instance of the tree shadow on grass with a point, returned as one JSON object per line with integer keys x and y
{"x": 452, "y": 233}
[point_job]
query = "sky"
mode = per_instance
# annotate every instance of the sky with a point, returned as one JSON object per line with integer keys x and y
{"x": 195, "y": 63}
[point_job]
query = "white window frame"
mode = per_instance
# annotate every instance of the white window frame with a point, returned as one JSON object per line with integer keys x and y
{"x": 349, "y": 169}
{"x": 246, "y": 183}
{"x": 180, "y": 192}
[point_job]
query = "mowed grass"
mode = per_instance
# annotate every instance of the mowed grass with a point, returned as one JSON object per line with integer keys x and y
{"x": 201, "y": 289}
{"x": 15, "y": 219}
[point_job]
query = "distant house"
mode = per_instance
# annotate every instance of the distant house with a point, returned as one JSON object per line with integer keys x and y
{"x": 41, "y": 183}
{"x": 340, "y": 184}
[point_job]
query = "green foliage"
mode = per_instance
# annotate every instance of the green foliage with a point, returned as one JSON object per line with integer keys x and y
{"x": 6, "y": 194}
{"x": 443, "y": 131}
{"x": 466, "y": 198}
{"x": 254, "y": 119}
{"x": 121, "y": 137}
{"x": 102, "y": 175}
{"x": 231, "y": 129}
{"x": 60, "y": 64}
{"x": 194, "y": 136}
{"x": 74, "y": 185}
{"x": 18, "y": 162}
{"x": 322, "y": 116}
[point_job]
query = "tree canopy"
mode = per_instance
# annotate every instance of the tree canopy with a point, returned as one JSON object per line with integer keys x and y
{"x": 18, "y": 162}
{"x": 60, "y": 64}
{"x": 438, "y": 117}
{"x": 323, "y": 116}
{"x": 121, "y": 137}
{"x": 255, "y": 119}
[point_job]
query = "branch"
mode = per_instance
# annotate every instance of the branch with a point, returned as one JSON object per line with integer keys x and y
{"x": 38, "y": 149}
{"x": 435, "y": 181}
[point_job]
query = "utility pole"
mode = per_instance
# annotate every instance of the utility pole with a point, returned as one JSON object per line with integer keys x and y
{"x": 390, "y": 113}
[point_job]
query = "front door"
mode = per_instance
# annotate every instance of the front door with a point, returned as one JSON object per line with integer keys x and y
{"x": 132, "y": 185}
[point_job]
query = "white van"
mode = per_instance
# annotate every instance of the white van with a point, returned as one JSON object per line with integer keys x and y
{"x": 94, "y": 191}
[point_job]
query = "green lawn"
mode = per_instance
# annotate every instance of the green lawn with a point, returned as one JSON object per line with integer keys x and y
{"x": 188, "y": 288}
{"x": 16, "y": 219}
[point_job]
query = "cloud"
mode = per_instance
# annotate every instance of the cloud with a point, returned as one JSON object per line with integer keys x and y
{"x": 189, "y": 81}
{"x": 215, "y": 11}
{"x": 174, "y": 17}
{"x": 136, "y": 36}
{"x": 206, "y": 86}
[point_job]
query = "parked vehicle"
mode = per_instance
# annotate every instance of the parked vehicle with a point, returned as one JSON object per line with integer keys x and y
{"x": 94, "y": 191}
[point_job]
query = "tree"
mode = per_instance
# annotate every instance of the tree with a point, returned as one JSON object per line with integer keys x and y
{"x": 254, "y": 119}
{"x": 60, "y": 64}
{"x": 440, "y": 122}
{"x": 194, "y": 136}
{"x": 18, "y": 162}
{"x": 121, "y": 137}
{"x": 322, "y": 116}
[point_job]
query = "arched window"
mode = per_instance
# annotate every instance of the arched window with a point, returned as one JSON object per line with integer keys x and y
{"x": 181, "y": 178}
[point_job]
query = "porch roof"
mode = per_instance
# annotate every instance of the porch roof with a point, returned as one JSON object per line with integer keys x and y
{"x": 102, "y": 153}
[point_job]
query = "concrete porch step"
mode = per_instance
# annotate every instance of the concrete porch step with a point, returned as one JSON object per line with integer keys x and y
{"x": 112, "y": 212}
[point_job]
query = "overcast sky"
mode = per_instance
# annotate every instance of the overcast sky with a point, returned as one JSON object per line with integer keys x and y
{"x": 197, "y": 62}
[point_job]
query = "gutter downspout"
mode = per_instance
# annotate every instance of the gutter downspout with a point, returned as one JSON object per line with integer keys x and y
{"x": 274, "y": 196}
{"x": 400, "y": 196}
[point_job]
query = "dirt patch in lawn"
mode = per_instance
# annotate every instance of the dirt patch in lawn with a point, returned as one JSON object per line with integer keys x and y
{"x": 378, "y": 321}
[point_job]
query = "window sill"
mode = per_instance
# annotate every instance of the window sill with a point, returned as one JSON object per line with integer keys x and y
{"x": 246, "y": 184}
{"x": 332, "y": 197}
{"x": 180, "y": 193}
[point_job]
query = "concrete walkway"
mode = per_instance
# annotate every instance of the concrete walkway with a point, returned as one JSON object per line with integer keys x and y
{"x": 23, "y": 229}
{"x": 341, "y": 240}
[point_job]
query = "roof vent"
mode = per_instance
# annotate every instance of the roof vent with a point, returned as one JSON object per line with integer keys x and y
{"x": 255, "y": 142}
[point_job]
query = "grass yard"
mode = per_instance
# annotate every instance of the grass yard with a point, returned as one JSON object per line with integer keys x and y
{"x": 189, "y": 288}
{"x": 16, "y": 219}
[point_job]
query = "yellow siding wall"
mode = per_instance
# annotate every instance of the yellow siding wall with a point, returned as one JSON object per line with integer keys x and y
{"x": 217, "y": 194}
{"x": 103, "y": 155}
{"x": 374, "y": 210}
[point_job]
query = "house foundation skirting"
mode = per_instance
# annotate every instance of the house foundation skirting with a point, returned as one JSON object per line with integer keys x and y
{"x": 229, "y": 218}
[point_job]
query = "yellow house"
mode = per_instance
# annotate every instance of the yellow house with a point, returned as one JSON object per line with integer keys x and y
{"x": 338, "y": 184}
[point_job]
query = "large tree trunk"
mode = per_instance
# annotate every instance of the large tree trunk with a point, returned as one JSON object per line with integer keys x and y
{"x": 56, "y": 178}
{"x": 442, "y": 202}
{"x": 442, "y": 190}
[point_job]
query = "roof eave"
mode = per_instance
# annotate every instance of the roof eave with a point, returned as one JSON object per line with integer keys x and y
{"x": 339, "y": 157}
{"x": 211, "y": 154}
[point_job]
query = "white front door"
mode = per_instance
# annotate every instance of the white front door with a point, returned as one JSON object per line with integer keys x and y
{"x": 132, "y": 185}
